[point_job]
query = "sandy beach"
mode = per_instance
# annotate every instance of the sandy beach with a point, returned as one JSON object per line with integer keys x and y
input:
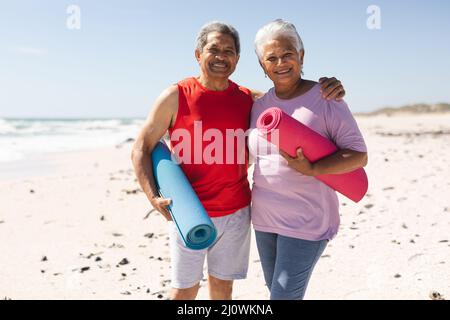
{"x": 75, "y": 225}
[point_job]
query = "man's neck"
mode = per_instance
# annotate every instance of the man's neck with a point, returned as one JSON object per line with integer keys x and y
{"x": 213, "y": 84}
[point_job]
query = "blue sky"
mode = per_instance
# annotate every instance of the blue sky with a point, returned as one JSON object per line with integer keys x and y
{"x": 127, "y": 52}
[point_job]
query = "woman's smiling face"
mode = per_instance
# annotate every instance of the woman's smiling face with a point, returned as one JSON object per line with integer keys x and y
{"x": 281, "y": 61}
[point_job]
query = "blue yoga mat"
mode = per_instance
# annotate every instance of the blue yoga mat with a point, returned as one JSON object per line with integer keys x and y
{"x": 194, "y": 225}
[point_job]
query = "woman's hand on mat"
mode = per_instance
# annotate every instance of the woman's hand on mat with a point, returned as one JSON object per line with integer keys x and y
{"x": 300, "y": 163}
{"x": 160, "y": 204}
{"x": 332, "y": 89}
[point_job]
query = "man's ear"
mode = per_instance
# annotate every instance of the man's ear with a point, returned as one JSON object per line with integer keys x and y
{"x": 197, "y": 55}
{"x": 301, "y": 55}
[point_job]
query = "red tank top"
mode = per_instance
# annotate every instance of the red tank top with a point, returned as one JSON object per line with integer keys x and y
{"x": 215, "y": 165}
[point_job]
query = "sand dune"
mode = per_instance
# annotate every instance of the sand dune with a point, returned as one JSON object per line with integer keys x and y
{"x": 414, "y": 109}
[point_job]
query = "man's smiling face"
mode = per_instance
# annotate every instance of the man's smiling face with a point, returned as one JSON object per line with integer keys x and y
{"x": 219, "y": 56}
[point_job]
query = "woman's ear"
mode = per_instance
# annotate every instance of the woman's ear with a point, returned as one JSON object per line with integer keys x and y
{"x": 262, "y": 66}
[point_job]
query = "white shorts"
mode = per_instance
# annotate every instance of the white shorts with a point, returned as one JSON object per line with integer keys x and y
{"x": 227, "y": 257}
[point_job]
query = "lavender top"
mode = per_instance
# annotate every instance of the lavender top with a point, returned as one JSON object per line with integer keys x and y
{"x": 284, "y": 201}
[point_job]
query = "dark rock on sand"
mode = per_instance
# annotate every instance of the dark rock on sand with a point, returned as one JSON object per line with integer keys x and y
{"x": 120, "y": 145}
{"x": 133, "y": 191}
{"x": 117, "y": 245}
{"x": 84, "y": 269}
{"x": 434, "y": 295}
{"x": 124, "y": 261}
{"x": 90, "y": 255}
{"x": 164, "y": 283}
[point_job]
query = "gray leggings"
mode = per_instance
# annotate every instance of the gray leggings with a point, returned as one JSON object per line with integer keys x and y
{"x": 287, "y": 263}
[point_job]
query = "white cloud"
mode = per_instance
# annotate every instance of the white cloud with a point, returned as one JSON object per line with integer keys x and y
{"x": 31, "y": 51}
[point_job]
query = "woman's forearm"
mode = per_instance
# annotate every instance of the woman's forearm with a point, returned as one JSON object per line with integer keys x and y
{"x": 342, "y": 161}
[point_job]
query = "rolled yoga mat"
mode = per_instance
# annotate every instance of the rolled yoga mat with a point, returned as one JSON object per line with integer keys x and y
{"x": 293, "y": 135}
{"x": 194, "y": 225}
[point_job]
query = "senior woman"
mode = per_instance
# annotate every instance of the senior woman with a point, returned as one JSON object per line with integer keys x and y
{"x": 294, "y": 214}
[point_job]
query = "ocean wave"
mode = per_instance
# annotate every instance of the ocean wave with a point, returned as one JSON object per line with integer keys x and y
{"x": 26, "y": 127}
{"x": 6, "y": 127}
{"x": 22, "y": 137}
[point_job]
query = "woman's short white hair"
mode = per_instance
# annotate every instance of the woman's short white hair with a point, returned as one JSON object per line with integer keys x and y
{"x": 275, "y": 29}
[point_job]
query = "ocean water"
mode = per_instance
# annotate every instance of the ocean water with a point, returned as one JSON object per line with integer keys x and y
{"x": 24, "y": 138}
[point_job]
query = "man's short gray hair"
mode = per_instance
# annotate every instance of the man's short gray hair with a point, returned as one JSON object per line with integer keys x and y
{"x": 274, "y": 29}
{"x": 217, "y": 26}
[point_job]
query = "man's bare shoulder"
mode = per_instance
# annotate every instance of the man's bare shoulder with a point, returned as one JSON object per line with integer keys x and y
{"x": 170, "y": 94}
{"x": 167, "y": 101}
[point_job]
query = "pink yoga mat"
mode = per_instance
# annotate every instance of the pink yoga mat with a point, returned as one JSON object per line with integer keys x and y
{"x": 293, "y": 135}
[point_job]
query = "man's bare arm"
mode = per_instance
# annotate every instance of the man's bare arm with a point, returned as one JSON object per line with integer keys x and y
{"x": 160, "y": 118}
